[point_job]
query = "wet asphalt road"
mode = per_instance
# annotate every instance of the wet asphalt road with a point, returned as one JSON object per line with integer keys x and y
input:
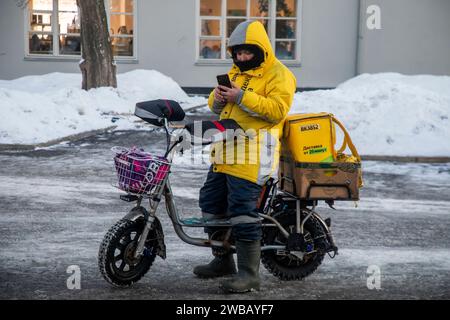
{"x": 57, "y": 204}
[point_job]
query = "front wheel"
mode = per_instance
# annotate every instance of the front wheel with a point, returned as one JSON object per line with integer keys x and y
{"x": 116, "y": 254}
{"x": 286, "y": 265}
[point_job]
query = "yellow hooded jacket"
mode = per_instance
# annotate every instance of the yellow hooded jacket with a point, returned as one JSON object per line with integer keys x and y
{"x": 266, "y": 97}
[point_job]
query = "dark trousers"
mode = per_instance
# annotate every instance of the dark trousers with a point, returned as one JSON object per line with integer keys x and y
{"x": 223, "y": 195}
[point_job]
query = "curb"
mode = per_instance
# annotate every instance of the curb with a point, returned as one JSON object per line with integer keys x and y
{"x": 407, "y": 159}
{"x": 71, "y": 138}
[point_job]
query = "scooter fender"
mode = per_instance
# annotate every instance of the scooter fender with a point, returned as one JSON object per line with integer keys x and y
{"x": 136, "y": 213}
{"x": 141, "y": 213}
{"x": 327, "y": 230}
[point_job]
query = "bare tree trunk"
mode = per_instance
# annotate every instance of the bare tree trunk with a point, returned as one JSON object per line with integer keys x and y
{"x": 97, "y": 65}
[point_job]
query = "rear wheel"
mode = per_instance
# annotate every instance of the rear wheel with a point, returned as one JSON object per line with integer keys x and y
{"x": 116, "y": 254}
{"x": 287, "y": 265}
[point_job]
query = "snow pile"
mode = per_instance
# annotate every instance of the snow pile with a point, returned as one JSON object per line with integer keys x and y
{"x": 37, "y": 109}
{"x": 386, "y": 114}
{"x": 389, "y": 113}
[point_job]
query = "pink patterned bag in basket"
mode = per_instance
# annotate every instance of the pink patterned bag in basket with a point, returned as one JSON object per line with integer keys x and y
{"x": 139, "y": 172}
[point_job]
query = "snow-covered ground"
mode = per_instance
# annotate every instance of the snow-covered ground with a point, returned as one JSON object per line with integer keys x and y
{"x": 55, "y": 213}
{"x": 386, "y": 114}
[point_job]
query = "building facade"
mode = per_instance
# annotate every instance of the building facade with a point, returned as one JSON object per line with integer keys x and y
{"x": 324, "y": 42}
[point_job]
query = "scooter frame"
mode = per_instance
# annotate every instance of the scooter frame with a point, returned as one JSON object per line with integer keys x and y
{"x": 164, "y": 189}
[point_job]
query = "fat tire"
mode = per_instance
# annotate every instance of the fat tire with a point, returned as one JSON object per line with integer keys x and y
{"x": 108, "y": 247}
{"x": 269, "y": 258}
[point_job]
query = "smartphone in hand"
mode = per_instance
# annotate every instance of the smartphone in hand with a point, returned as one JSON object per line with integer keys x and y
{"x": 224, "y": 80}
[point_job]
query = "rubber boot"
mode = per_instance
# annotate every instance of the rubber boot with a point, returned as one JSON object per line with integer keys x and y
{"x": 247, "y": 279}
{"x": 220, "y": 266}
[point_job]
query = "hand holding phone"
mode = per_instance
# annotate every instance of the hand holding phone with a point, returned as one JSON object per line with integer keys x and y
{"x": 224, "y": 80}
{"x": 226, "y": 95}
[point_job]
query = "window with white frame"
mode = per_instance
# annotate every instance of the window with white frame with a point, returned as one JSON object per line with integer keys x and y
{"x": 54, "y": 27}
{"x": 121, "y": 14}
{"x": 218, "y": 18}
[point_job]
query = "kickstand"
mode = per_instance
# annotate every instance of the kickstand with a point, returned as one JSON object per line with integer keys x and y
{"x": 330, "y": 203}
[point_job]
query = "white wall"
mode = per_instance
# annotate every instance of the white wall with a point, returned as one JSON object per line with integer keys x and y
{"x": 329, "y": 42}
{"x": 414, "y": 38}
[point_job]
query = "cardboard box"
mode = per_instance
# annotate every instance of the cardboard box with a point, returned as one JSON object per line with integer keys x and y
{"x": 320, "y": 181}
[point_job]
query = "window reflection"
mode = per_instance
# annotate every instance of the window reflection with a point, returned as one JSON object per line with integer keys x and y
{"x": 285, "y": 29}
{"x": 41, "y": 22}
{"x": 210, "y": 28}
{"x": 69, "y": 44}
{"x": 41, "y": 5}
{"x": 210, "y": 49}
{"x": 40, "y": 39}
{"x": 279, "y": 18}
{"x": 122, "y": 46}
{"x": 210, "y": 7}
{"x": 69, "y": 28}
{"x": 259, "y": 8}
{"x": 121, "y": 6}
{"x": 286, "y": 8}
{"x": 121, "y": 25}
{"x": 236, "y": 8}
{"x": 69, "y": 22}
{"x": 285, "y": 50}
{"x": 67, "y": 5}
{"x": 41, "y": 43}
{"x": 62, "y": 23}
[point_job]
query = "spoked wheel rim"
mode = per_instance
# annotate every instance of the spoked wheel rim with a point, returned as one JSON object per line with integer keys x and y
{"x": 284, "y": 264}
{"x": 124, "y": 264}
{"x": 116, "y": 259}
{"x": 290, "y": 260}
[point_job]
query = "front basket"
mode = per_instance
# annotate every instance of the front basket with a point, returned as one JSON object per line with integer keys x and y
{"x": 139, "y": 172}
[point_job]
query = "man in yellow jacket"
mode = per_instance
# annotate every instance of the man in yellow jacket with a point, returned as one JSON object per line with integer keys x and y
{"x": 261, "y": 96}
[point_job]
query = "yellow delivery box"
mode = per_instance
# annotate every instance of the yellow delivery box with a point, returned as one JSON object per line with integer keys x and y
{"x": 310, "y": 137}
{"x": 311, "y": 167}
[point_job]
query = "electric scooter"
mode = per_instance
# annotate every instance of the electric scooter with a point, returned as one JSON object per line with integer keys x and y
{"x": 295, "y": 238}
